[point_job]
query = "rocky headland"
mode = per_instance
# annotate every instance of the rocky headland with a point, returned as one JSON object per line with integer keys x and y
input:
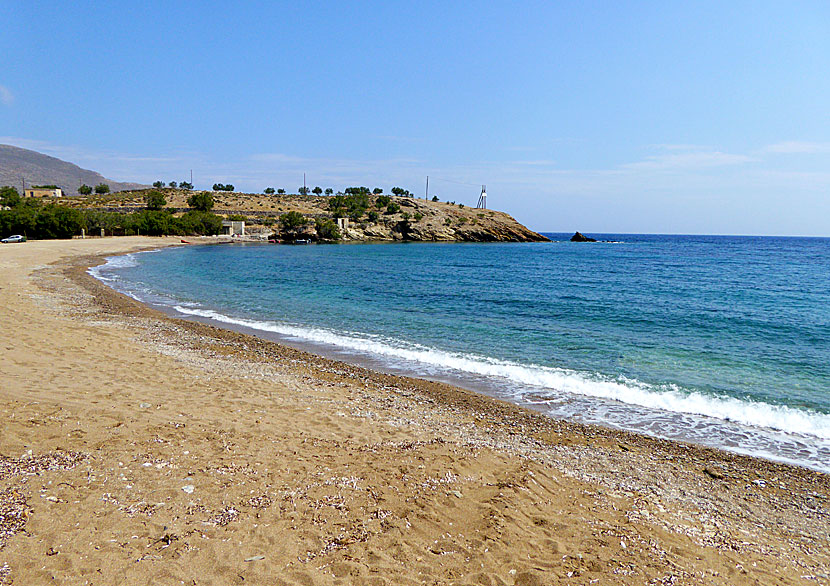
{"x": 384, "y": 218}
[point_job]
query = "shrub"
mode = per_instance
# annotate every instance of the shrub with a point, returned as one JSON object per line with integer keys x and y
{"x": 269, "y": 191}
{"x": 102, "y": 188}
{"x": 154, "y": 200}
{"x": 198, "y": 222}
{"x": 434, "y": 198}
{"x": 202, "y": 201}
{"x": 84, "y": 189}
{"x": 382, "y": 201}
{"x": 9, "y": 196}
{"x": 292, "y": 220}
{"x": 156, "y": 184}
{"x": 373, "y": 216}
{"x": 418, "y": 216}
{"x": 327, "y": 229}
{"x": 393, "y": 208}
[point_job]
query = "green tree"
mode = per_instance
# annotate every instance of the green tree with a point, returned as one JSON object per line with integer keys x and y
{"x": 269, "y": 191}
{"x": 372, "y": 216}
{"x": 201, "y": 200}
{"x": 84, "y": 189}
{"x": 154, "y": 200}
{"x": 158, "y": 184}
{"x": 382, "y": 201}
{"x": 434, "y": 198}
{"x": 173, "y": 184}
{"x": 327, "y": 229}
{"x": 292, "y": 220}
{"x": 317, "y": 191}
{"x": 9, "y": 196}
{"x": 393, "y": 208}
{"x": 303, "y": 191}
{"x": 102, "y": 188}
{"x": 281, "y": 191}
{"x": 418, "y": 216}
{"x": 377, "y": 191}
{"x": 185, "y": 185}
{"x": 329, "y": 191}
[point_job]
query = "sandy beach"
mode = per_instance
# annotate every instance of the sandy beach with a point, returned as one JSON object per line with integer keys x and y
{"x": 141, "y": 449}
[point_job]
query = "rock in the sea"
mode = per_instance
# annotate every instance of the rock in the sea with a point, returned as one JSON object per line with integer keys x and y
{"x": 580, "y": 237}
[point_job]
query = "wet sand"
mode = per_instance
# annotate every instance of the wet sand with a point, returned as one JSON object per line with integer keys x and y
{"x": 141, "y": 449}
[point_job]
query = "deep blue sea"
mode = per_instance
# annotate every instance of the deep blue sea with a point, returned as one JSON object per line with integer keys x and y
{"x": 717, "y": 340}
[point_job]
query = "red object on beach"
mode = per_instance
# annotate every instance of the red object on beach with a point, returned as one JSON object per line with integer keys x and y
{"x": 185, "y": 242}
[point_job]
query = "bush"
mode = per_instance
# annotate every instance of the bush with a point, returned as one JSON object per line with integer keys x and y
{"x": 373, "y": 216}
{"x": 418, "y": 216}
{"x": 84, "y": 189}
{"x": 269, "y": 191}
{"x": 327, "y": 229}
{"x": 292, "y": 221}
{"x": 353, "y": 205}
{"x": 434, "y": 198}
{"x": 186, "y": 185}
{"x": 156, "y": 184}
{"x": 202, "y": 201}
{"x": 198, "y": 222}
{"x": 281, "y": 191}
{"x": 382, "y": 201}
{"x": 155, "y": 200}
{"x": 102, "y": 188}
{"x": 393, "y": 208}
{"x": 222, "y": 187}
{"x": 9, "y": 196}
{"x": 34, "y": 220}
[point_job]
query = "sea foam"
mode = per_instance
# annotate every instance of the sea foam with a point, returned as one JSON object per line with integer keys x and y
{"x": 542, "y": 380}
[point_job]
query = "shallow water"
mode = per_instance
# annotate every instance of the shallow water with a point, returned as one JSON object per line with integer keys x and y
{"x": 717, "y": 340}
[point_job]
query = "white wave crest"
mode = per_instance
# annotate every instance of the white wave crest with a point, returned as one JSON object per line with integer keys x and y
{"x": 113, "y": 263}
{"x": 553, "y": 380}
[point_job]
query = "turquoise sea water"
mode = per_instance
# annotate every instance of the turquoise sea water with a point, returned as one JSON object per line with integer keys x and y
{"x": 723, "y": 341}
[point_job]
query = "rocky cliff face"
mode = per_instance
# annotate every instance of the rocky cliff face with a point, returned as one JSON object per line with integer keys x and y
{"x": 421, "y": 220}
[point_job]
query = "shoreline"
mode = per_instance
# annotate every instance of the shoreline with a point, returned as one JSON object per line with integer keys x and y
{"x": 684, "y": 510}
{"x": 239, "y": 335}
{"x": 771, "y": 444}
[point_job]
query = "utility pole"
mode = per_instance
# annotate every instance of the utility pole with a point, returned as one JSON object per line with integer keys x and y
{"x": 304, "y": 189}
{"x": 426, "y": 192}
{"x": 191, "y": 176}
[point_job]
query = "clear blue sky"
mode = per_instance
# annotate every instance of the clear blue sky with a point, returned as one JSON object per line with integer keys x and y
{"x": 673, "y": 117}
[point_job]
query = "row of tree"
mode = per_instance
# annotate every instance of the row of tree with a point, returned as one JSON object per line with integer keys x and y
{"x": 173, "y": 185}
{"x": 100, "y": 189}
{"x": 37, "y": 219}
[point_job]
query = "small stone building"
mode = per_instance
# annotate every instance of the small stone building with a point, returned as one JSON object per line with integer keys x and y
{"x": 233, "y": 228}
{"x": 43, "y": 192}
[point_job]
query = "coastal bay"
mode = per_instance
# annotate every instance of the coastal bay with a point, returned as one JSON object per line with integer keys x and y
{"x": 138, "y": 448}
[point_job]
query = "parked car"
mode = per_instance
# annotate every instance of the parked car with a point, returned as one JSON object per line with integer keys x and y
{"x": 12, "y": 239}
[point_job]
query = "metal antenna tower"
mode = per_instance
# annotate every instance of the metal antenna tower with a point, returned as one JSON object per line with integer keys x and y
{"x": 482, "y": 199}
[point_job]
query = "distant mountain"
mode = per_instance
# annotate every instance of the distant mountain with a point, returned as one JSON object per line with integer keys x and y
{"x": 17, "y": 164}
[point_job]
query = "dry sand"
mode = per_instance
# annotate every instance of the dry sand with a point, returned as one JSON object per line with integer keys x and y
{"x": 138, "y": 449}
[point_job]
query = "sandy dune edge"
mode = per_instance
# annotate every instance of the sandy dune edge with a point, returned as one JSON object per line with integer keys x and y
{"x": 136, "y": 449}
